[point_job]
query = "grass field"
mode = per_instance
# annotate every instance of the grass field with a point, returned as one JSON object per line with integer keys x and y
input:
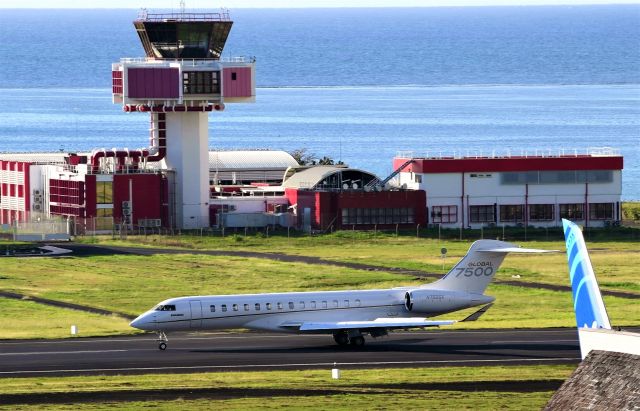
{"x": 615, "y": 262}
{"x": 357, "y": 389}
{"x": 133, "y": 284}
{"x": 23, "y": 319}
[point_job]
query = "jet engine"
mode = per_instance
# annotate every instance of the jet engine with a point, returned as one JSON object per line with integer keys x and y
{"x": 436, "y": 301}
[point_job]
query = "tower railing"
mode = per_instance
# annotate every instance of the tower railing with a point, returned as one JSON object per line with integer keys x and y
{"x": 167, "y": 17}
{"x": 508, "y": 153}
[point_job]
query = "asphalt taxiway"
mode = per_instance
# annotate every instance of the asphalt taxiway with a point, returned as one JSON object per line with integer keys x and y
{"x": 199, "y": 352}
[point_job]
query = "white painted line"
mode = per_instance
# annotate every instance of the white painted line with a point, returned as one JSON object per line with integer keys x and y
{"x": 59, "y": 352}
{"x": 328, "y": 364}
{"x": 532, "y": 342}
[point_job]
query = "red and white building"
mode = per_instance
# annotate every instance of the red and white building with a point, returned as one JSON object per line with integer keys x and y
{"x": 532, "y": 190}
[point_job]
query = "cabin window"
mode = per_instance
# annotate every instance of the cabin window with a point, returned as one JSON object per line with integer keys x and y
{"x": 291, "y": 306}
{"x": 324, "y": 304}
{"x": 346, "y": 303}
{"x": 212, "y": 308}
{"x": 268, "y": 306}
{"x": 313, "y": 304}
{"x": 302, "y": 305}
{"x": 246, "y": 307}
{"x": 257, "y": 307}
{"x": 235, "y": 307}
{"x": 224, "y": 308}
{"x": 335, "y": 303}
{"x": 280, "y": 306}
{"x": 166, "y": 307}
{"x": 357, "y": 303}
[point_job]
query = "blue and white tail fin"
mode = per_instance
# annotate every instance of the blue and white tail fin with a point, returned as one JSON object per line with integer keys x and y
{"x": 587, "y": 300}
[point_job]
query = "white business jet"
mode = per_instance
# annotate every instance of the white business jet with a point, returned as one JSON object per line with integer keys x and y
{"x": 348, "y": 315}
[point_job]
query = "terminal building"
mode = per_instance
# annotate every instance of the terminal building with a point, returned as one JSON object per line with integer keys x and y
{"x": 523, "y": 190}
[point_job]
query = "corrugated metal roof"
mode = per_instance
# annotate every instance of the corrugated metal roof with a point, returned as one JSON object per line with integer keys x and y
{"x": 250, "y": 159}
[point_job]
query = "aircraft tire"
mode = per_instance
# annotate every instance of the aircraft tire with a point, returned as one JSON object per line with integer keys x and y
{"x": 357, "y": 341}
{"x": 341, "y": 338}
{"x": 162, "y": 346}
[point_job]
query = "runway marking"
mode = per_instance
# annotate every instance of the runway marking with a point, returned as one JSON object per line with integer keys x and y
{"x": 60, "y": 352}
{"x": 531, "y": 342}
{"x": 213, "y": 367}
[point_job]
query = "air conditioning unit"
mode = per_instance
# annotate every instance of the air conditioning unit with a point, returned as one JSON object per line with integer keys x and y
{"x": 37, "y": 207}
{"x": 126, "y": 208}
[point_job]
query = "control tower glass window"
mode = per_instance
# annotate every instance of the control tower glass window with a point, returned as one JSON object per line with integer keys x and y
{"x": 201, "y": 82}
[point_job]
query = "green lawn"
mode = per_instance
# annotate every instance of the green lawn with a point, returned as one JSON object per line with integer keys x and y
{"x": 615, "y": 262}
{"x": 27, "y": 319}
{"x": 359, "y": 389}
{"x": 133, "y": 284}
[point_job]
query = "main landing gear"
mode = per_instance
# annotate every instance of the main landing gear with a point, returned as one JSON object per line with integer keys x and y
{"x": 162, "y": 340}
{"x": 344, "y": 338}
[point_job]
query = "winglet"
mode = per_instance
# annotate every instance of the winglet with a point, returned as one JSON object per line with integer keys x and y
{"x": 587, "y": 300}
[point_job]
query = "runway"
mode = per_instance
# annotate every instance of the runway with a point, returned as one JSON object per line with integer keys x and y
{"x": 190, "y": 352}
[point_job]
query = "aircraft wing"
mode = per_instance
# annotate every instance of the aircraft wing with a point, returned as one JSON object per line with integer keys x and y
{"x": 388, "y": 323}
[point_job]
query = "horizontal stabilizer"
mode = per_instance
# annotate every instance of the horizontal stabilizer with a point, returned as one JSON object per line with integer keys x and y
{"x": 507, "y": 250}
{"x": 478, "y": 313}
{"x": 377, "y": 323}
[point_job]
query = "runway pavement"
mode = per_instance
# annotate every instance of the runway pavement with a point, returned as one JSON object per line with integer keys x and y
{"x": 189, "y": 352}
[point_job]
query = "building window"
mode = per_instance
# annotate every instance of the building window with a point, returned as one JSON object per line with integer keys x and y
{"x": 540, "y": 212}
{"x": 418, "y": 178}
{"x": 104, "y": 192}
{"x": 234, "y": 75}
{"x": 371, "y": 216}
{"x": 444, "y": 214}
{"x": 512, "y": 213}
{"x": 572, "y": 211}
{"x": 482, "y": 214}
{"x": 601, "y": 211}
{"x": 201, "y": 82}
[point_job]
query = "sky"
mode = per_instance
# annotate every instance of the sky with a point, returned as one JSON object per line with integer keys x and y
{"x": 234, "y": 4}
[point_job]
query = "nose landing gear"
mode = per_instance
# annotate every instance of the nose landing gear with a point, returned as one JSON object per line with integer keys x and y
{"x": 162, "y": 340}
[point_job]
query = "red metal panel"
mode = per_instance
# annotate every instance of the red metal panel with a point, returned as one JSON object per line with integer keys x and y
{"x": 153, "y": 83}
{"x": 90, "y": 195}
{"x": 451, "y": 165}
{"x": 147, "y": 195}
{"x": 241, "y": 86}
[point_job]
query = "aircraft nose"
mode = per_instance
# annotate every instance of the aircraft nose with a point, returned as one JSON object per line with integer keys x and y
{"x": 142, "y": 322}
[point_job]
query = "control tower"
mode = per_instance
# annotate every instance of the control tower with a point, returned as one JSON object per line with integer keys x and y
{"x": 180, "y": 81}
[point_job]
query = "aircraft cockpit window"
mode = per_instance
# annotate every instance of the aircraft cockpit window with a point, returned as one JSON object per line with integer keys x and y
{"x": 246, "y": 307}
{"x": 291, "y": 306}
{"x": 224, "y": 308}
{"x": 166, "y": 307}
{"x": 213, "y": 308}
{"x": 257, "y": 306}
{"x": 235, "y": 307}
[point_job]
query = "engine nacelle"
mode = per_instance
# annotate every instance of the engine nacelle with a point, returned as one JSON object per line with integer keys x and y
{"x": 439, "y": 301}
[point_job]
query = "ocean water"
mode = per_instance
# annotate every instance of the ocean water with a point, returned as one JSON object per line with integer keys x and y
{"x": 357, "y": 84}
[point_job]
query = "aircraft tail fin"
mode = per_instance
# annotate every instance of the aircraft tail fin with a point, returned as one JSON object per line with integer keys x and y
{"x": 587, "y": 300}
{"x": 478, "y": 267}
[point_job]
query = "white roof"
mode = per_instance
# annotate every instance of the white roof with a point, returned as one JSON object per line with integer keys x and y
{"x": 250, "y": 159}
{"x": 310, "y": 177}
{"x": 43, "y": 158}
